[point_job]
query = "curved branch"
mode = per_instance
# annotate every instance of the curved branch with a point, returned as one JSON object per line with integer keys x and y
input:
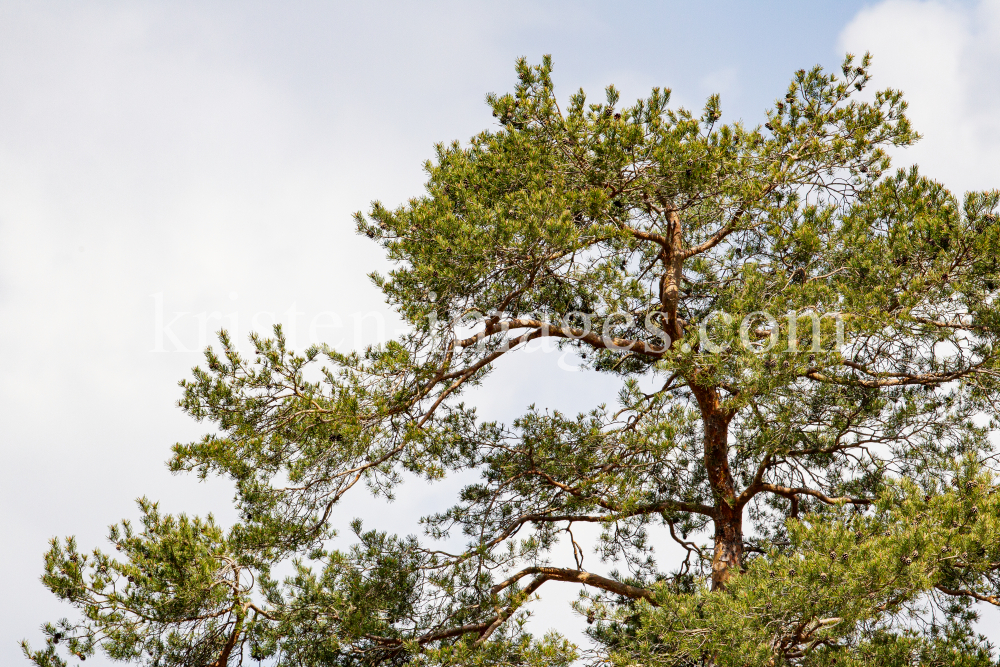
{"x": 507, "y": 613}
{"x": 894, "y": 379}
{"x": 792, "y": 492}
{"x": 547, "y": 329}
{"x": 643, "y": 235}
{"x": 961, "y": 592}
{"x": 580, "y": 577}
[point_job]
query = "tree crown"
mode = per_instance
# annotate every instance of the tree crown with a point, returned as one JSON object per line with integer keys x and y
{"x": 806, "y": 341}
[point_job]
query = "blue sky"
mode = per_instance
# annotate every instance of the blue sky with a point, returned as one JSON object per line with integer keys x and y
{"x": 204, "y": 159}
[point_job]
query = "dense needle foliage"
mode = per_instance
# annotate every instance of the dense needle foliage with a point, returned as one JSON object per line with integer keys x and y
{"x": 807, "y": 343}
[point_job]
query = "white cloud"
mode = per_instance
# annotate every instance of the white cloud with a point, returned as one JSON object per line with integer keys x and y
{"x": 202, "y": 154}
{"x": 945, "y": 59}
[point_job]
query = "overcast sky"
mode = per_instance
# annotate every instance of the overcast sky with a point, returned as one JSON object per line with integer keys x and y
{"x": 170, "y": 168}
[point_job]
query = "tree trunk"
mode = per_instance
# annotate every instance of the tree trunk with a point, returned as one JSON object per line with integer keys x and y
{"x": 728, "y": 554}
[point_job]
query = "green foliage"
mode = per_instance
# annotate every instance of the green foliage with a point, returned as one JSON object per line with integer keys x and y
{"x": 180, "y": 597}
{"x": 846, "y": 588}
{"x": 807, "y": 344}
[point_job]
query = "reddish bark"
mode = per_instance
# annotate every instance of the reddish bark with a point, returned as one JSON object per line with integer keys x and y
{"x": 727, "y": 556}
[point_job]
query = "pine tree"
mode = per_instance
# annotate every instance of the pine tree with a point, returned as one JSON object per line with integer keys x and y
{"x": 807, "y": 345}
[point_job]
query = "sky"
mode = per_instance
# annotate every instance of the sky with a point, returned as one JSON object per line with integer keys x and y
{"x": 167, "y": 169}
